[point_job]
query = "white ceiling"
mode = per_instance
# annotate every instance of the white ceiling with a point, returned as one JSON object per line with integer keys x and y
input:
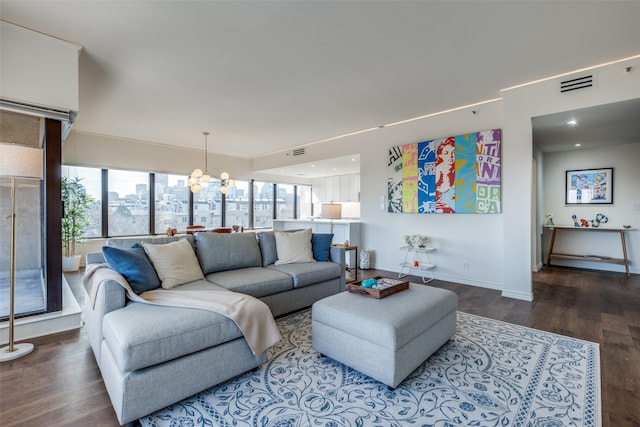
{"x": 344, "y": 165}
{"x": 265, "y": 76}
{"x": 603, "y": 125}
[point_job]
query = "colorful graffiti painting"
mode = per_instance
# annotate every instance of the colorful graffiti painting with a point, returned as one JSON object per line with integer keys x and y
{"x": 456, "y": 174}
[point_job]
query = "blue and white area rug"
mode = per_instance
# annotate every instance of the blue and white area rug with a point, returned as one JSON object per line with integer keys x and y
{"x": 490, "y": 373}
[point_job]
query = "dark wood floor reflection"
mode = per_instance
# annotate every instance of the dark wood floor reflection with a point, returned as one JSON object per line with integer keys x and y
{"x": 59, "y": 384}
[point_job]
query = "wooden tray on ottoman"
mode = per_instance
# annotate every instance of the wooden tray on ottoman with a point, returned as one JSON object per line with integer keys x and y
{"x": 393, "y": 286}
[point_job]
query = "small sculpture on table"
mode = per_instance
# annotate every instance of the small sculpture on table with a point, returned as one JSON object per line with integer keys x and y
{"x": 417, "y": 240}
{"x": 549, "y": 219}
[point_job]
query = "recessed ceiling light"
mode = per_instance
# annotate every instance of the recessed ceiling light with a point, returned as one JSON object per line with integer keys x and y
{"x": 353, "y": 159}
{"x": 572, "y": 122}
{"x": 577, "y": 144}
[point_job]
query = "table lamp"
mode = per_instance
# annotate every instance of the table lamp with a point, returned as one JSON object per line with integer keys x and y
{"x": 331, "y": 211}
{"x": 17, "y": 161}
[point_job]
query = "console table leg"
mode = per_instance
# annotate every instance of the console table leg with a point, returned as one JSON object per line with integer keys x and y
{"x": 624, "y": 253}
{"x": 553, "y": 240}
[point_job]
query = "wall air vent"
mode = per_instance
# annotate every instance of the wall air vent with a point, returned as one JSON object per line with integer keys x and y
{"x": 577, "y": 83}
{"x": 298, "y": 152}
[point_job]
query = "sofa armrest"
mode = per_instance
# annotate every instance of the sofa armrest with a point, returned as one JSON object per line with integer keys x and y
{"x": 336, "y": 255}
{"x": 109, "y": 297}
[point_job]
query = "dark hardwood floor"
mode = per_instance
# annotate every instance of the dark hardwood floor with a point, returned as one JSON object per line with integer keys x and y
{"x": 59, "y": 384}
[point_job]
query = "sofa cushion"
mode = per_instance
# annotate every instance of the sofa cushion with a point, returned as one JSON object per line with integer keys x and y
{"x": 142, "y": 335}
{"x": 267, "y": 242}
{"x": 293, "y": 247}
{"x": 227, "y": 251}
{"x": 254, "y": 281}
{"x": 310, "y": 273}
{"x": 135, "y": 267}
{"x": 321, "y": 246}
{"x": 175, "y": 262}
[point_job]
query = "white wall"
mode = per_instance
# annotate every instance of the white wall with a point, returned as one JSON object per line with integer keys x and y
{"x": 91, "y": 150}
{"x": 476, "y": 239}
{"x": 520, "y": 105}
{"x": 83, "y": 149}
{"x": 498, "y": 248}
{"x": 626, "y": 191}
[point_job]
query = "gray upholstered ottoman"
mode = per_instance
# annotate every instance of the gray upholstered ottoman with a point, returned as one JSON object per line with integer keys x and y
{"x": 386, "y": 338}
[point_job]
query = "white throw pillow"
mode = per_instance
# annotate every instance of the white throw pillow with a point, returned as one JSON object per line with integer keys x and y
{"x": 176, "y": 262}
{"x": 293, "y": 247}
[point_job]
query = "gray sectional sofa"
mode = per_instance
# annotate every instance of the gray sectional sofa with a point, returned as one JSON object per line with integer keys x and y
{"x": 152, "y": 356}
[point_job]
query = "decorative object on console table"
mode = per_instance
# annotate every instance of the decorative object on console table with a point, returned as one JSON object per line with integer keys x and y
{"x": 417, "y": 258}
{"x": 549, "y": 217}
{"x": 17, "y": 161}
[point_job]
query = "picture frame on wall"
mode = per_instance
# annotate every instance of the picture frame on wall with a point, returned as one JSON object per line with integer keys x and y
{"x": 589, "y": 187}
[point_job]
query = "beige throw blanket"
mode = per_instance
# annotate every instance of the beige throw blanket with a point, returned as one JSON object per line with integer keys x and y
{"x": 251, "y": 315}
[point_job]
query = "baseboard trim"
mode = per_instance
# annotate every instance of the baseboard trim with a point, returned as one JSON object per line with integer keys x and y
{"x": 449, "y": 278}
{"x": 49, "y": 323}
{"x": 518, "y": 295}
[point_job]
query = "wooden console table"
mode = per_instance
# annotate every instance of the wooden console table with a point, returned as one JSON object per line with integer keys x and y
{"x": 621, "y": 261}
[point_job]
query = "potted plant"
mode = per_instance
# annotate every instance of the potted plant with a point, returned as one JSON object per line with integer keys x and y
{"x": 76, "y": 204}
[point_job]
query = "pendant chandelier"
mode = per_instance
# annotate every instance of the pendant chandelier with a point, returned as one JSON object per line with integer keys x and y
{"x": 198, "y": 177}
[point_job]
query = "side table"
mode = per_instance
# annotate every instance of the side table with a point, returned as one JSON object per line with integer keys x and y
{"x": 348, "y": 248}
{"x": 417, "y": 258}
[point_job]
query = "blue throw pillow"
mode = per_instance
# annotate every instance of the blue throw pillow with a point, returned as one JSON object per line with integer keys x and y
{"x": 321, "y": 246}
{"x": 134, "y": 265}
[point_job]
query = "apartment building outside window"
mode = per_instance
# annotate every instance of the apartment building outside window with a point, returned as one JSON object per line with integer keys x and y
{"x": 237, "y": 204}
{"x": 262, "y": 204}
{"x": 171, "y": 202}
{"x": 285, "y": 202}
{"x": 129, "y": 207}
{"x": 128, "y": 201}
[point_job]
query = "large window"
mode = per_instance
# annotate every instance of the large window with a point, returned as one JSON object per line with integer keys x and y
{"x": 207, "y": 205}
{"x": 262, "y": 204}
{"x": 171, "y": 202}
{"x": 237, "y": 205}
{"x": 91, "y": 178}
{"x": 285, "y": 201}
{"x": 128, "y": 207}
{"x": 128, "y": 203}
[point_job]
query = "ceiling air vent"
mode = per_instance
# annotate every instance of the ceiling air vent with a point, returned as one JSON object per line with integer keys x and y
{"x": 298, "y": 152}
{"x": 577, "y": 83}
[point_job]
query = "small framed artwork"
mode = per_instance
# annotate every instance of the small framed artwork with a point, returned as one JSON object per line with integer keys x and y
{"x": 589, "y": 186}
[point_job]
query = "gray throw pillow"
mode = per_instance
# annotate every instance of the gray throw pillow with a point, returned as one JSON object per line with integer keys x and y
{"x": 175, "y": 263}
{"x": 294, "y": 247}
